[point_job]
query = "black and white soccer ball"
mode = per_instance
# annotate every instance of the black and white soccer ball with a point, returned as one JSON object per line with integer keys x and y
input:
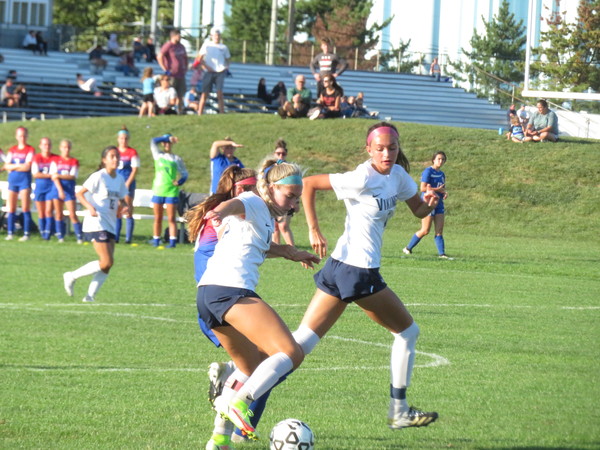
{"x": 291, "y": 434}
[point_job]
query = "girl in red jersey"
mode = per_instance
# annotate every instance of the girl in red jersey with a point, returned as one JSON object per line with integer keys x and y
{"x": 64, "y": 171}
{"x": 128, "y": 168}
{"x": 40, "y": 169}
{"x": 18, "y": 165}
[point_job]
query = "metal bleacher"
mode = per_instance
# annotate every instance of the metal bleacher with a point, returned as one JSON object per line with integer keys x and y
{"x": 52, "y": 91}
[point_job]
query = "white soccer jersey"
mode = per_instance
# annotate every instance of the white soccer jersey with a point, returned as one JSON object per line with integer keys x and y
{"x": 104, "y": 193}
{"x": 242, "y": 247}
{"x": 370, "y": 199}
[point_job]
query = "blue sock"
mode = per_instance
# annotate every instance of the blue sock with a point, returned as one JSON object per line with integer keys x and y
{"x": 77, "y": 227}
{"x": 48, "y": 227}
{"x": 10, "y": 223}
{"x": 63, "y": 228}
{"x": 59, "y": 225}
{"x": 118, "y": 230}
{"x": 156, "y": 242}
{"x": 439, "y": 243}
{"x": 129, "y": 229}
{"x": 42, "y": 225}
{"x": 26, "y": 222}
{"x": 413, "y": 242}
{"x": 172, "y": 243}
{"x": 52, "y": 226}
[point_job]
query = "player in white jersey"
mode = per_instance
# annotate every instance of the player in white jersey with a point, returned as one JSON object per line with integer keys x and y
{"x": 102, "y": 194}
{"x": 351, "y": 274}
{"x": 253, "y": 334}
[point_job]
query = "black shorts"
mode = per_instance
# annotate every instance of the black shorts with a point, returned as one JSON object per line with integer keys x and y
{"x": 214, "y": 301}
{"x": 148, "y": 98}
{"x": 348, "y": 283}
{"x": 99, "y": 236}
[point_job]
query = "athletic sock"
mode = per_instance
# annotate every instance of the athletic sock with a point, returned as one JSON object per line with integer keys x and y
{"x": 42, "y": 226}
{"x": 96, "y": 283}
{"x": 306, "y": 338}
{"x": 87, "y": 269}
{"x": 156, "y": 241}
{"x": 77, "y": 227}
{"x": 265, "y": 376}
{"x": 10, "y": 223}
{"x": 413, "y": 242}
{"x": 172, "y": 242}
{"x": 402, "y": 362}
{"x": 129, "y": 224}
{"x": 26, "y": 223}
{"x": 439, "y": 243}
{"x": 119, "y": 225}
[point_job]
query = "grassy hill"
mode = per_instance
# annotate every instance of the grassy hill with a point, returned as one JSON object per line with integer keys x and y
{"x": 496, "y": 187}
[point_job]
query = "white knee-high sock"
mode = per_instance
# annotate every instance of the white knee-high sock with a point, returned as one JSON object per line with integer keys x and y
{"x": 306, "y": 338}
{"x": 234, "y": 383}
{"x": 265, "y": 376}
{"x": 96, "y": 283}
{"x": 402, "y": 361}
{"x": 87, "y": 269}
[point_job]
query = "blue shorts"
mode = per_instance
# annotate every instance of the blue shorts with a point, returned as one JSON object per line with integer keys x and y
{"x": 439, "y": 209}
{"x": 68, "y": 190}
{"x": 214, "y": 301}
{"x": 99, "y": 236}
{"x": 18, "y": 181}
{"x": 163, "y": 200}
{"x": 132, "y": 190}
{"x": 348, "y": 283}
{"x": 42, "y": 196}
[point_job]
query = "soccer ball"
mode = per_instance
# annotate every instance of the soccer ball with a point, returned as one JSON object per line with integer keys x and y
{"x": 291, "y": 434}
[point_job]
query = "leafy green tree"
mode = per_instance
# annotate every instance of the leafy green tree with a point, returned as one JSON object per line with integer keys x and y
{"x": 569, "y": 54}
{"x": 249, "y": 21}
{"x": 398, "y": 59}
{"x": 77, "y": 13}
{"x": 500, "y": 52}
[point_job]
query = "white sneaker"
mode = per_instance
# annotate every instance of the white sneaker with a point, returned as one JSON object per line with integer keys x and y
{"x": 80, "y": 241}
{"x": 406, "y": 251}
{"x": 444, "y": 256}
{"x": 9, "y": 237}
{"x": 87, "y": 299}
{"x": 315, "y": 114}
{"x": 217, "y": 376}
{"x": 24, "y": 238}
{"x": 69, "y": 283}
{"x": 61, "y": 240}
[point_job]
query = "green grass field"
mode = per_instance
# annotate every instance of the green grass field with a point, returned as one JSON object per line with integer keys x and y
{"x": 509, "y": 350}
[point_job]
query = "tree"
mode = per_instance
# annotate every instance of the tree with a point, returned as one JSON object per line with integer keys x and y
{"x": 569, "y": 54}
{"x": 249, "y": 21}
{"x": 500, "y": 52}
{"x": 77, "y": 13}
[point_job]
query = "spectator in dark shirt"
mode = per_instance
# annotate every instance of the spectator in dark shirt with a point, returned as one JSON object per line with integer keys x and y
{"x": 326, "y": 63}
{"x": 97, "y": 63}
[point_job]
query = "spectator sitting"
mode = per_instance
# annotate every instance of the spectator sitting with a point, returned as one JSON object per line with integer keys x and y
{"x": 112, "y": 46}
{"x": 88, "y": 85}
{"x": 97, "y": 63}
{"x": 41, "y": 43}
{"x": 165, "y": 96}
{"x": 191, "y": 99}
{"x": 30, "y": 42}
{"x": 139, "y": 52}
{"x": 523, "y": 115}
{"x": 329, "y": 100}
{"x": 261, "y": 91}
{"x": 279, "y": 92}
{"x": 360, "y": 110}
{"x": 347, "y": 105}
{"x": 543, "y": 125}
{"x": 515, "y": 132}
{"x": 150, "y": 50}
{"x": 510, "y": 113}
{"x": 12, "y": 74}
{"x": 298, "y": 101}
{"x": 22, "y": 93}
{"x": 8, "y": 96}
{"x": 127, "y": 65}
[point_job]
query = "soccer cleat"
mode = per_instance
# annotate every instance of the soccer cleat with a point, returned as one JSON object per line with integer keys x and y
{"x": 61, "y": 240}
{"x": 9, "y": 237}
{"x": 24, "y": 238}
{"x": 411, "y": 418}
{"x": 217, "y": 376}
{"x": 69, "y": 283}
{"x": 219, "y": 442}
{"x": 406, "y": 251}
{"x": 80, "y": 241}
{"x": 87, "y": 299}
{"x": 444, "y": 256}
{"x": 237, "y": 412}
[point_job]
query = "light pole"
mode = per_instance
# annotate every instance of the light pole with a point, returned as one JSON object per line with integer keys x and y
{"x": 272, "y": 34}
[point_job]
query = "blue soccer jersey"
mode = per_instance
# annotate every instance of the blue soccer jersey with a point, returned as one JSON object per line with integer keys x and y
{"x": 434, "y": 178}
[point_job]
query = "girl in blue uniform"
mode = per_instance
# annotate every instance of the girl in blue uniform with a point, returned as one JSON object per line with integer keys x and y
{"x": 351, "y": 274}
{"x": 18, "y": 165}
{"x": 433, "y": 179}
{"x": 64, "y": 170}
{"x": 40, "y": 169}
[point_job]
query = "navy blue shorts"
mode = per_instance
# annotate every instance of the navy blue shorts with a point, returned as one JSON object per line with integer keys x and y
{"x": 214, "y": 301}
{"x": 348, "y": 283}
{"x": 132, "y": 190}
{"x": 99, "y": 236}
{"x": 163, "y": 200}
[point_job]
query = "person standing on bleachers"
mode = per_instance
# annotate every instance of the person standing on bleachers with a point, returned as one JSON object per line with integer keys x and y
{"x": 174, "y": 61}
{"x": 327, "y": 63}
{"x": 214, "y": 59}
{"x": 112, "y": 46}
